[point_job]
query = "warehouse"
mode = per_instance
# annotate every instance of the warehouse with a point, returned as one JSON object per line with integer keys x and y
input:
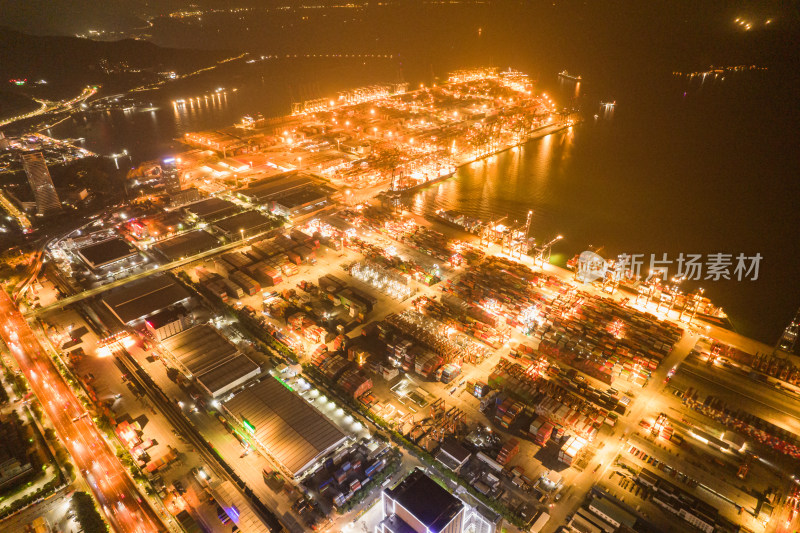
{"x": 300, "y": 202}
{"x": 141, "y": 299}
{"x": 197, "y": 350}
{"x": 207, "y": 356}
{"x": 452, "y": 454}
{"x": 106, "y": 253}
{"x": 233, "y": 373}
{"x": 262, "y": 191}
{"x": 611, "y": 513}
{"x": 418, "y": 503}
{"x": 186, "y": 245}
{"x": 211, "y": 209}
{"x": 166, "y": 323}
{"x": 185, "y": 196}
{"x": 287, "y": 428}
{"x": 245, "y": 224}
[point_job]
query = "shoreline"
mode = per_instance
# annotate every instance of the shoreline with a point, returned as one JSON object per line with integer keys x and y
{"x": 701, "y": 326}
{"x": 367, "y": 194}
{"x": 537, "y": 134}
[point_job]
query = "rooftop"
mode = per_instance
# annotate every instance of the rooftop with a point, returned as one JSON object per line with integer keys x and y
{"x": 186, "y": 245}
{"x": 142, "y": 298}
{"x": 106, "y": 252}
{"x": 617, "y": 513}
{"x": 452, "y": 447}
{"x": 452, "y": 454}
{"x": 211, "y": 208}
{"x": 395, "y": 524}
{"x": 303, "y": 196}
{"x": 292, "y": 431}
{"x": 228, "y": 375}
{"x": 199, "y": 349}
{"x": 247, "y": 221}
{"x": 426, "y": 500}
{"x": 273, "y": 187}
{"x": 162, "y": 318}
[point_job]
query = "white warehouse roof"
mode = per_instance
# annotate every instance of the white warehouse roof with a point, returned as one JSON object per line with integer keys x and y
{"x": 291, "y": 430}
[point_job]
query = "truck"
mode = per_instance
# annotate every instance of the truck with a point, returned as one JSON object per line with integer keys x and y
{"x": 539, "y": 522}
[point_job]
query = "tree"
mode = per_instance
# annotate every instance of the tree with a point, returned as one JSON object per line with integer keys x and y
{"x": 87, "y": 515}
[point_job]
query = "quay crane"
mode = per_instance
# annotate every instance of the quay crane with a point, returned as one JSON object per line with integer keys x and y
{"x": 542, "y": 253}
{"x": 691, "y": 305}
{"x": 490, "y": 231}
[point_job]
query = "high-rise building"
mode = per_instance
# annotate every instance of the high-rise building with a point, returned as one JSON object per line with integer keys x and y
{"x": 420, "y": 505}
{"x": 789, "y": 338}
{"x": 3, "y": 141}
{"x": 170, "y": 176}
{"x": 47, "y": 202}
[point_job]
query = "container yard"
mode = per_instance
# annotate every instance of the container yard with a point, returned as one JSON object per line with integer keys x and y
{"x": 295, "y": 311}
{"x": 529, "y": 371}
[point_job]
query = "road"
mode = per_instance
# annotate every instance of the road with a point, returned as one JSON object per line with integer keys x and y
{"x": 64, "y": 302}
{"x": 47, "y": 107}
{"x": 215, "y": 461}
{"x": 732, "y": 386}
{"x": 119, "y": 497}
{"x": 649, "y": 402}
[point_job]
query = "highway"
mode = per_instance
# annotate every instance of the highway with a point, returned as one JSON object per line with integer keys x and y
{"x": 120, "y": 501}
{"x": 47, "y": 107}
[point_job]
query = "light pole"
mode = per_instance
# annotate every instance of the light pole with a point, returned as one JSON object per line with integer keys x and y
{"x": 241, "y": 232}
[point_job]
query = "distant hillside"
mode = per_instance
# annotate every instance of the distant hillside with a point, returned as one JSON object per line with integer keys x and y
{"x": 68, "y": 63}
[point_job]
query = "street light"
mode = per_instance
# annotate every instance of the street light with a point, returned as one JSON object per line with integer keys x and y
{"x": 241, "y": 232}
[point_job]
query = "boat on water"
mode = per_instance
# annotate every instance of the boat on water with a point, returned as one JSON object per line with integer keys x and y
{"x": 567, "y": 75}
{"x": 443, "y": 175}
{"x": 458, "y": 220}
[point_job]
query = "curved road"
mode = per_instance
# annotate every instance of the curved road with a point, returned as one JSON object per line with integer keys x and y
{"x": 120, "y": 501}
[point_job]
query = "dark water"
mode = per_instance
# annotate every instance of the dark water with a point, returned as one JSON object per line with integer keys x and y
{"x": 708, "y": 172}
{"x": 677, "y": 166}
{"x": 150, "y": 131}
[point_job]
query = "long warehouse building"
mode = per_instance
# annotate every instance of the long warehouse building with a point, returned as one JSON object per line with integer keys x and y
{"x": 286, "y": 427}
{"x": 142, "y": 298}
{"x": 204, "y": 354}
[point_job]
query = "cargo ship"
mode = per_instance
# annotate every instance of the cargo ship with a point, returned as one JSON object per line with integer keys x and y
{"x": 410, "y": 188}
{"x": 567, "y": 75}
{"x": 459, "y": 220}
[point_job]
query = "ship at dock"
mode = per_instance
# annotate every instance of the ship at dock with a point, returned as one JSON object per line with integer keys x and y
{"x": 566, "y": 75}
{"x": 458, "y": 220}
{"x": 614, "y": 277}
{"x": 413, "y": 182}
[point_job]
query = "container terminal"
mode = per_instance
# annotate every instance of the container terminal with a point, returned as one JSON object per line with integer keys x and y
{"x": 277, "y": 343}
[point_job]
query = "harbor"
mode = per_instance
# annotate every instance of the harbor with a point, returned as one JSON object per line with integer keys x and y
{"x": 464, "y": 267}
{"x": 383, "y": 137}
